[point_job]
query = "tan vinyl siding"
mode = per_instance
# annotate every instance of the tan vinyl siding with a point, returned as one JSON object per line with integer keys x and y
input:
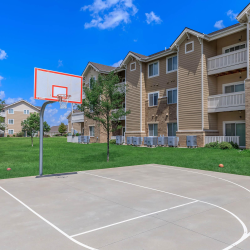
{"x": 133, "y": 98}
{"x": 144, "y": 77}
{"x": 189, "y": 87}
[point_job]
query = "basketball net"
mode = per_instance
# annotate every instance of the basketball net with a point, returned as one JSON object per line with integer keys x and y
{"x": 63, "y": 100}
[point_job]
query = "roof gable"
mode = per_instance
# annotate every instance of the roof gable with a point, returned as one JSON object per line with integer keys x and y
{"x": 27, "y": 103}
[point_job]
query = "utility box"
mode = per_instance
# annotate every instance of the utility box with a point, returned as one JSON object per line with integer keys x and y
{"x": 86, "y": 139}
{"x": 129, "y": 140}
{"x": 137, "y": 141}
{"x": 152, "y": 141}
{"x": 173, "y": 141}
{"x": 80, "y": 139}
{"x": 119, "y": 140}
{"x": 162, "y": 141}
{"x": 145, "y": 140}
{"x": 191, "y": 141}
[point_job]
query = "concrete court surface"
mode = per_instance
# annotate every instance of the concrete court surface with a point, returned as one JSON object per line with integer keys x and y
{"x": 147, "y": 207}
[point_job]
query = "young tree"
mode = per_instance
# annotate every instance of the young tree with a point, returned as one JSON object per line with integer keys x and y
{"x": 46, "y": 127}
{"x": 103, "y": 103}
{"x": 31, "y": 125}
{"x": 62, "y": 128}
{"x": 3, "y": 126}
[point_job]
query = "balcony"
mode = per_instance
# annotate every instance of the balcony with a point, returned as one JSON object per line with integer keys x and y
{"x": 2, "y": 114}
{"x": 226, "y": 102}
{"x": 227, "y": 62}
{"x": 77, "y": 117}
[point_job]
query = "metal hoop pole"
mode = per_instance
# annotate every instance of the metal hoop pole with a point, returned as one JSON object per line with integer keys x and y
{"x": 41, "y": 137}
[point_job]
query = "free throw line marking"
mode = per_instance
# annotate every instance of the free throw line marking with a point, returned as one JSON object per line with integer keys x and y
{"x": 52, "y": 225}
{"x": 135, "y": 218}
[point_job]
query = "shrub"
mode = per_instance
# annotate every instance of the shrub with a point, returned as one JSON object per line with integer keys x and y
{"x": 77, "y": 134}
{"x": 20, "y": 134}
{"x": 14, "y": 135}
{"x": 225, "y": 145}
{"x": 113, "y": 141}
{"x": 46, "y": 135}
{"x": 8, "y": 135}
{"x": 212, "y": 145}
{"x": 234, "y": 145}
{"x": 65, "y": 135}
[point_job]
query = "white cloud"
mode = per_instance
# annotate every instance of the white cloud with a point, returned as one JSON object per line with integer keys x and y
{"x": 109, "y": 13}
{"x": 117, "y": 64}
{"x": 219, "y": 24}
{"x": 151, "y": 17}
{"x": 12, "y": 100}
{"x": 32, "y": 100}
{"x": 63, "y": 118}
{"x": 2, "y": 95}
{"x": 1, "y": 78}
{"x": 60, "y": 64}
{"x": 49, "y": 115}
{"x": 3, "y": 54}
{"x": 232, "y": 15}
{"x": 49, "y": 106}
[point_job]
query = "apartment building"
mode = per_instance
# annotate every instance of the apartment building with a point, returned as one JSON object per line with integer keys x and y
{"x": 15, "y": 113}
{"x": 195, "y": 87}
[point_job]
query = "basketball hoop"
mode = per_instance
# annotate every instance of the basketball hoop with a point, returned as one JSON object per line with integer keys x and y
{"x": 63, "y": 100}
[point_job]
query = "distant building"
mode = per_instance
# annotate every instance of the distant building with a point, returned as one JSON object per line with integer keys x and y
{"x": 54, "y": 130}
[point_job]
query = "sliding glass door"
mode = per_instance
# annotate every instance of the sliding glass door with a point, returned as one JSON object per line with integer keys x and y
{"x": 236, "y": 129}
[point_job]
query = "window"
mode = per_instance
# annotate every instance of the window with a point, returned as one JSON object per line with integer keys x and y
{"x": 123, "y": 80}
{"x": 153, "y": 99}
{"x": 26, "y": 111}
{"x": 10, "y": 121}
{"x": 11, "y": 131}
{"x": 171, "y": 64}
{"x": 172, "y": 96}
{"x": 123, "y": 105}
{"x": 172, "y": 128}
{"x": 91, "y": 131}
{"x": 11, "y": 111}
{"x": 231, "y": 88}
{"x": 91, "y": 108}
{"x": 236, "y": 129}
{"x": 189, "y": 47}
{"x": 91, "y": 81}
{"x": 153, "y": 129}
{"x": 133, "y": 66}
{"x": 153, "y": 69}
{"x": 234, "y": 47}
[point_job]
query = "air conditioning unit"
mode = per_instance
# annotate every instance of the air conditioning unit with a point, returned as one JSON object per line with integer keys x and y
{"x": 80, "y": 139}
{"x": 152, "y": 141}
{"x": 86, "y": 139}
{"x": 191, "y": 141}
{"x": 145, "y": 140}
{"x": 137, "y": 141}
{"x": 129, "y": 140}
{"x": 119, "y": 140}
{"x": 173, "y": 141}
{"x": 163, "y": 141}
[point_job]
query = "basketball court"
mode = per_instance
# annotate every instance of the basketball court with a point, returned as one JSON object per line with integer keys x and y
{"x": 145, "y": 207}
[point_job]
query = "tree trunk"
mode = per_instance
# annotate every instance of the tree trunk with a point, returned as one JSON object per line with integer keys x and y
{"x": 31, "y": 140}
{"x": 108, "y": 146}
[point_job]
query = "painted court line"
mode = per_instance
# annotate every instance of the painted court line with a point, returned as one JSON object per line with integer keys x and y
{"x": 245, "y": 231}
{"x": 52, "y": 225}
{"x": 121, "y": 222}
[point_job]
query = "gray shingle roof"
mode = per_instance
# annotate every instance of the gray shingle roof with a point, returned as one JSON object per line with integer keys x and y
{"x": 103, "y": 67}
{"x": 222, "y": 30}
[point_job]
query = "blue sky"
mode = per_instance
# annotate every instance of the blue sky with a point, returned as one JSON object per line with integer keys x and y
{"x": 65, "y": 35}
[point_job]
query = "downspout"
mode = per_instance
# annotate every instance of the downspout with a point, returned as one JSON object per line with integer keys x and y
{"x": 202, "y": 88}
{"x": 140, "y": 97}
{"x": 177, "y": 87}
{"x": 125, "y": 102}
{"x": 247, "y": 46}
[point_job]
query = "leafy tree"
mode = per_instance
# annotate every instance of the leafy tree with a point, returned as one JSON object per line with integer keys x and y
{"x": 46, "y": 127}
{"x": 62, "y": 128}
{"x": 31, "y": 125}
{"x": 3, "y": 126}
{"x": 103, "y": 103}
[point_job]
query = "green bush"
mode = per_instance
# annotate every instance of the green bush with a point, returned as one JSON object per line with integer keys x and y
{"x": 20, "y": 134}
{"x": 8, "y": 135}
{"x": 14, "y": 135}
{"x": 113, "y": 141}
{"x": 77, "y": 134}
{"x": 225, "y": 145}
{"x": 212, "y": 145}
{"x": 234, "y": 145}
{"x": 65, "y": 135}
{"x": 46, "y": 135}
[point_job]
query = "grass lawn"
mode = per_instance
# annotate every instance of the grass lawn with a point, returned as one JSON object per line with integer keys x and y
{"x": 60, "y": 156}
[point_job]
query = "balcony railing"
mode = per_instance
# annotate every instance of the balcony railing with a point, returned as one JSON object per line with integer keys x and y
{"x": 226, "y": 62}
{"x": 77, "y": 117}
{"x": 226, "y": 102}
{"x": 234, "y": 139}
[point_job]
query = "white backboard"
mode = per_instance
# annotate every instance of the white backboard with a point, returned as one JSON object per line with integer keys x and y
{"x": 48, "y": 84}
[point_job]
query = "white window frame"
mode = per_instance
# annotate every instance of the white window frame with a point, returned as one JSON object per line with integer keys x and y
{"x": 167, "y": 95}
{"x": 233, "y": 45}
{"x": 89, "y": 131}
{"x": 11, "y": 130}
{"x": 152, "y": 93}
{"x": 228, "y": 122}
{"x": 135, "y": 66}
{"x": 167, "y": 64}
{"x": 153, "y": 129}
{"x": 158, "y": 68}
{"x": 9, "y": 111}
{"x": 186, "y": 52}
{"x": 26, "y": 110}
{"x": 230, "y": 84}
{"x": 10, "y": 120}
